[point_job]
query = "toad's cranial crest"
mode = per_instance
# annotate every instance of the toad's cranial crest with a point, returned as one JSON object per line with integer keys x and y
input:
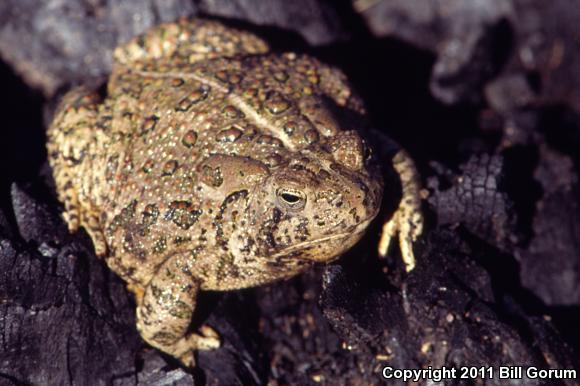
{"x": 214, "y": 164}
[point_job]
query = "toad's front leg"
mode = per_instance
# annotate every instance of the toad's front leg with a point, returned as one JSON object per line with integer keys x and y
{"x": 407, "y": 221}
{"x": 164, "y": 312}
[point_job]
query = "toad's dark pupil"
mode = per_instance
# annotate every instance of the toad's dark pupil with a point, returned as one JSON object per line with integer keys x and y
{"x": 290, "y": 198}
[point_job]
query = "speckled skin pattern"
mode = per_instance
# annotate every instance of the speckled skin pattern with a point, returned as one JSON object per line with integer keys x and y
{"x": 212, "y": 164}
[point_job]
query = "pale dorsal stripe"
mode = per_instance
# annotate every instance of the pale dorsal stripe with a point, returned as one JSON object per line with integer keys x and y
{"x": 236, "y": 100}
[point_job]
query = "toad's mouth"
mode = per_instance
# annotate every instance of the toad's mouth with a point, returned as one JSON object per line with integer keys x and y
{"x": 306, "y": 244}
{"x": 354, "y": 234}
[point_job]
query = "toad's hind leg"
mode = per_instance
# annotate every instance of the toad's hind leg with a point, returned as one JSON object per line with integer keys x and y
{"x": 71, "y": 137}
{"x": 184, "y": 42}
{"x": 407, "y": 221}
{"x": 164, "y": 313}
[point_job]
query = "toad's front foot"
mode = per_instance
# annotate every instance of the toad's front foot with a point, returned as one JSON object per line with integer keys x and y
{"x": 407, "y": 221}
{"x": 184, "y": 349}
{"x": 164, "y": 311}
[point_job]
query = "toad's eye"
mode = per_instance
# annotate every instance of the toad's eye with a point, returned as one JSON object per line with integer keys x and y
{"x": 291, "y": 199}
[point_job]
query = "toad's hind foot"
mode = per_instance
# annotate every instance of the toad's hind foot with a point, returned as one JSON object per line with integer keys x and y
{"x": 407, "y": 221}
{"x": 90, "y": 221}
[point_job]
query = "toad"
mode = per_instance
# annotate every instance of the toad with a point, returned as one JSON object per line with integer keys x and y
{"x": 212, "y": 163}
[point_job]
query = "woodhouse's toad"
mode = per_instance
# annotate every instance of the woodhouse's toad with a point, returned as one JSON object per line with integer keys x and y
{"x": 210, "y": 163}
